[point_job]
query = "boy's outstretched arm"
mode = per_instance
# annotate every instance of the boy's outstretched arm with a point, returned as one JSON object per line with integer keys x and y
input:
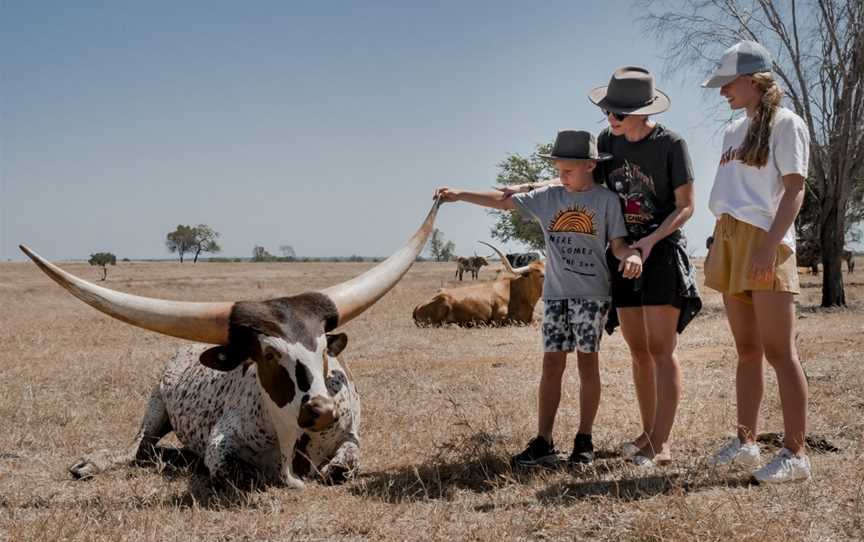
{"x": 510, "y": 189}
{"x": 630, "y": 258}
{"x": 492, "y": 198}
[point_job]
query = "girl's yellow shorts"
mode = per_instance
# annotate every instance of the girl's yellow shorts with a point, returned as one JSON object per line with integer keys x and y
{"x": 728, "y": 263}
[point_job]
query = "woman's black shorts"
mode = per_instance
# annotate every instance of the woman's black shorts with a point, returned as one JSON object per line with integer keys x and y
{"x": 658, "y": 285}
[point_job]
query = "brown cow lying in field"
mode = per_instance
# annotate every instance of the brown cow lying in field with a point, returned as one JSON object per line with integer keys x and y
{"x": 509, "y": 299}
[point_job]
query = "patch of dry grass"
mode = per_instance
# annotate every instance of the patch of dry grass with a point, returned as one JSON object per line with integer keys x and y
{"x": 443, "y": 410}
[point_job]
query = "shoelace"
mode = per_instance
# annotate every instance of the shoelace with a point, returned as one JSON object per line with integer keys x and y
{"x": 781, "y": 462}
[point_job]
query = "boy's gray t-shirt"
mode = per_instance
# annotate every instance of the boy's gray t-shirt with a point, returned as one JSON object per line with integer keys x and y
{"x": 577, "y": 226}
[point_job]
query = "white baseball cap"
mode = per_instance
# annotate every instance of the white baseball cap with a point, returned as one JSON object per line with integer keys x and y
{"x": 743, "y": 58}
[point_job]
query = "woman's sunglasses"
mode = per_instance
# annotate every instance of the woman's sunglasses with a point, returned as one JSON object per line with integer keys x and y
{"x": 618, "y": 116}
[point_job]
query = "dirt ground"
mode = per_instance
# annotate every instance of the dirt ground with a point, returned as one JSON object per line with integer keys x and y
{"x": 443, "y": 409}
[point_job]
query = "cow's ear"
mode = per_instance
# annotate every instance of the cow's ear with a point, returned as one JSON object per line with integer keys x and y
{"x": 245, "y": 346}
{"x": 220, "y": 358}
{"x": 336, "y": 343}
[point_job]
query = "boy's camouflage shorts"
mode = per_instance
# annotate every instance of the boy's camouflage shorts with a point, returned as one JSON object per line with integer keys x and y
{"x": 575, "y": 323}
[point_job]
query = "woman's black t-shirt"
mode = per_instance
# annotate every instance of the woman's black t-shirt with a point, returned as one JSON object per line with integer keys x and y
{"x": 645, "y": 175}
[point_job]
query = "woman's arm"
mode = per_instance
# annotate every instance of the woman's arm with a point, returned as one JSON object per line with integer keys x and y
{"x": 631, "y": 261}
{"x": 494, "y": 199}
{"x": 684, "y": 204}
{"x": 510, "y": 189}
{"x": 762, "y": 264}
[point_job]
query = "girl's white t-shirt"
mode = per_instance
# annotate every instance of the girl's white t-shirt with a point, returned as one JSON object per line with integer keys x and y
{"x": 752, "y": 194}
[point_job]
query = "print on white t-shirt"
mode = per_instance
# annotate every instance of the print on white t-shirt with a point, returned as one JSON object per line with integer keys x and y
{"x": 752, "y": 194}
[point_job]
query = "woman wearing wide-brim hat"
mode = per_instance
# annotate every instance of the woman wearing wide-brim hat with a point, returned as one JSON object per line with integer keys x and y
{"x": 652, "y": 174}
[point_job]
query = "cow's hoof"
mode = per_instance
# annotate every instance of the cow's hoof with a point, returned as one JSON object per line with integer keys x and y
{"x": 293, "y": 483}
{"x": 337, "y": 474}
{"x": 83, "y": 469}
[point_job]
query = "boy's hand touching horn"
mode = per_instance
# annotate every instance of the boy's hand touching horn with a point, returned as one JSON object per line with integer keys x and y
{"x": 445, "y": 193}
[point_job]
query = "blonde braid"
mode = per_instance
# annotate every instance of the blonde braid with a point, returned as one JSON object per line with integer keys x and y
{"x": 754, "y": 150}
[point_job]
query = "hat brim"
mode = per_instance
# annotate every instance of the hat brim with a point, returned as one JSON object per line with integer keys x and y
{"x": 719, "y": 80}
{"x": 600, "y": 157}
{"x": 660, "y": 104}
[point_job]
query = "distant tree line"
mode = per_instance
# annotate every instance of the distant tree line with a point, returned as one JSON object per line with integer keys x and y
{"x": 192, "y": 240}
{"x": 200, "y": 239}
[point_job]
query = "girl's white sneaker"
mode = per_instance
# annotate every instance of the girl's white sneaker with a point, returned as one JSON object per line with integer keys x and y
{"x": 785, "y": 467}
{"x": 735, "y": 452}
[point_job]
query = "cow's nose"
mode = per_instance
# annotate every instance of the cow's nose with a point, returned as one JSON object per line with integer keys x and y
{"x": 318, "y": 414}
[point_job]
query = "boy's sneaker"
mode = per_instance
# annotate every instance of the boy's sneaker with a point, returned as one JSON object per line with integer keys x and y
{"x": 629, "y": 450}
{"x": 583, "y": 450}
{"x": 538, "y": 453}
{"x": 735, "y": 452}
{"x": 643, "y": 462}
{"x": 785, "y": 467}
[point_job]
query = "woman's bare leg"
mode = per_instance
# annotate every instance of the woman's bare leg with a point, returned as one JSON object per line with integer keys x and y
{"x": 748, "y": 378}
{"x": 636, "y": 337}
{"x": 776, "y": 312}
{"x": 661, "y": 323}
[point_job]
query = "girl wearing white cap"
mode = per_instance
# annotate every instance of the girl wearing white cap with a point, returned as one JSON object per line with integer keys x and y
{"x": 757, "y": 193}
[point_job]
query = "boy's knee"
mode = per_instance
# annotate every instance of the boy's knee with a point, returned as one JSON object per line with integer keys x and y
{"x": 554, "y": 362}
{"x": 587, "y": 360}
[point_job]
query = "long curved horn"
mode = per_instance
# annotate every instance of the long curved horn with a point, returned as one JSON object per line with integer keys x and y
{"x": 518, "y": 271}
{"x": 358, "y": 294}
{"x": 203, "y": 322}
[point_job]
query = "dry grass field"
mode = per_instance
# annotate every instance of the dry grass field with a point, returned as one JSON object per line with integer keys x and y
{"x": 443, "y": 409}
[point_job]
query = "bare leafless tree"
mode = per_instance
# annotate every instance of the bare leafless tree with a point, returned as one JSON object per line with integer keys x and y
{"x": 818, "y": 47}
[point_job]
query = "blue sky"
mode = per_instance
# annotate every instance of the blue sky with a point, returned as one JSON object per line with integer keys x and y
{"x": 322, "y": 125}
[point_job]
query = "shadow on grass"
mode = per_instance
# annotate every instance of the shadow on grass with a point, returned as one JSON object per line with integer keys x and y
{"x": 203, "y": 491}
{"x": 433, "y": 481}
{"x": 634, "y": 489}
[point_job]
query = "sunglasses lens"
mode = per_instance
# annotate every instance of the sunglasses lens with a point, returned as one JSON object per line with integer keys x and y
{"x": 618, "y": 116}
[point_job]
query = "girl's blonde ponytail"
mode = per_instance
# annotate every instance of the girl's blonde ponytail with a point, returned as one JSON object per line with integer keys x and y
{"x": 754, "y": 150}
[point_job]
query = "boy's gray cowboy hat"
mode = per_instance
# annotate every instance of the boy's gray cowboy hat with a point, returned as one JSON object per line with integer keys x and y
{"x": 630, "y": 91}
{"x": 743, "y": 58}
{"x": 575, "y": 145}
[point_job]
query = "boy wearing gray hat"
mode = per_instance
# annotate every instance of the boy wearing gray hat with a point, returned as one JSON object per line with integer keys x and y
{"x": 579, "y": 219}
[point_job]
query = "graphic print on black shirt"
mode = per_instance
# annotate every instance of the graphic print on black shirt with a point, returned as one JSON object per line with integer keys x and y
{"x": 577, "y": 219}
{"x": 638, "y": 197}
{"x": 645, "y": 174}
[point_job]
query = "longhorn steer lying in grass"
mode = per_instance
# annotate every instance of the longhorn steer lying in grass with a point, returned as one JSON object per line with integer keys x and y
{"x": 271, "y": 395}
{"x": 509, "y": 299}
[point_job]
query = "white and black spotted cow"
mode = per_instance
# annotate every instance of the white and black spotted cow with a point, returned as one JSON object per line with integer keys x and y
{"x": 271, "y": 395}
{"x": 523, "y": 259}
